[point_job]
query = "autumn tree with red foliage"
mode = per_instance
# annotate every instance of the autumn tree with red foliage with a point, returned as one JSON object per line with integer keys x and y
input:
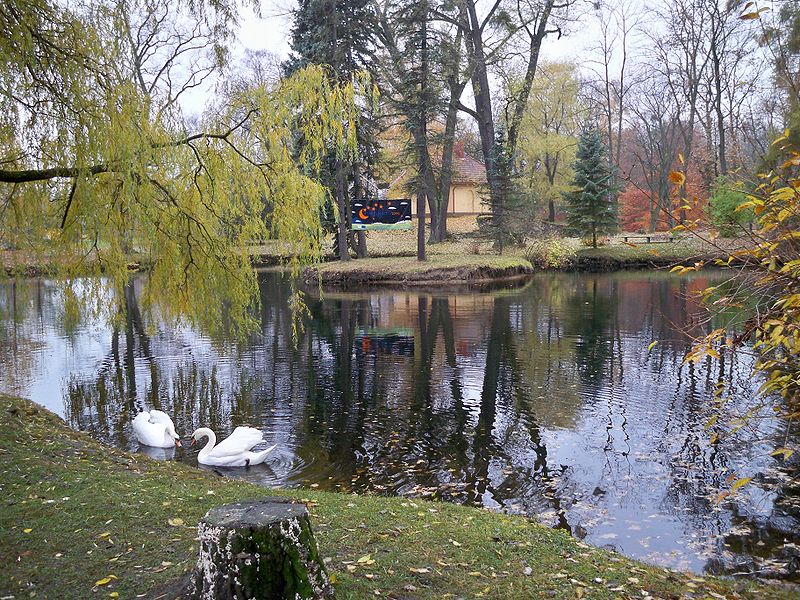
{"x": 648, "y": 202}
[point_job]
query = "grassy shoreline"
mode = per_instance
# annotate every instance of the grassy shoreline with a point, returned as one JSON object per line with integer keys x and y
{"x": 405, "y": 271}
{"x": 81, "y": 520}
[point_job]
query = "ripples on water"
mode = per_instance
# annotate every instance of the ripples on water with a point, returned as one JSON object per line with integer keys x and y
{"x": 542, "y": 400}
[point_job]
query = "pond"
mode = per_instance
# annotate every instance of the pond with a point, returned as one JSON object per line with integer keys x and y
{"x": 545, "y": 398}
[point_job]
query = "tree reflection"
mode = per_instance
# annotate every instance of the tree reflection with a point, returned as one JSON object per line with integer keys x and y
{"x": 548, "y": 400}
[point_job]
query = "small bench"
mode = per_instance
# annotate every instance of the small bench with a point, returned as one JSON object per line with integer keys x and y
{"x": 652, "y": 238}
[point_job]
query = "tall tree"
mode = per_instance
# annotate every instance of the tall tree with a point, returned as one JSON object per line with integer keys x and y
{"x": 338, "y": 33}
{"x": 590, "y": 208}
{"x": 654, "y": 144}
{"x": 422, "y": 75}
{"x": 89, "y": 172}
{"x": 683, "y": 62}
{"x": 619, "y": 24}
{"x": 548, "y": 134}
{"x": 487, "y": 35}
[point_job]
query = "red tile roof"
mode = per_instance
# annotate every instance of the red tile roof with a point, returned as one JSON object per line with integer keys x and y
{"x": 465, "y": 168}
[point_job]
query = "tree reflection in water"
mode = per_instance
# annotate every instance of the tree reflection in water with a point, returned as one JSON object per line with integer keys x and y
{"x": 543, "y": 400}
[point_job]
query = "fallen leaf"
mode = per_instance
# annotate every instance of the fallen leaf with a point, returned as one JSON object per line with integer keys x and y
{"x": 175, "y": 522}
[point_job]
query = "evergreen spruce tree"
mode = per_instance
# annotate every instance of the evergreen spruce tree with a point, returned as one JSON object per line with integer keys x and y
{"x": 591, "y": 207}
{"x": 502, "y": 224}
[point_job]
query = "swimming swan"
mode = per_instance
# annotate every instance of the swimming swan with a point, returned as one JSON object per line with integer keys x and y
{"x": 234, "y": 451}
{"x": 156, "y": 429}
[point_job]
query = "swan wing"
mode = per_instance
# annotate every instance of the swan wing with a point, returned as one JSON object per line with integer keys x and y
{"x": 256, "y": 458}
{"x": 238, "y": 442}
{"x": 150, "y": 434}
{"x": 157, "y": 416}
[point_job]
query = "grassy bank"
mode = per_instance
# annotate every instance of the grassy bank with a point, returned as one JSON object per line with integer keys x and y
{"x": 83, "y": 520}
{"x": 437, "y": 269}
{"x": 623, "y": 256}
{"x": 570, "y": 254}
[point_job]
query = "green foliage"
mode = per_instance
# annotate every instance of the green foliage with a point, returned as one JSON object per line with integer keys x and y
{"x": 551, "y": 253}
{"x": 99, "y": 170}
{"x": 332, "y": 32}
{"x": 591, "y": 207}
{"x": 339, "y": 34}
{"x": 548, "y": 135}
{"x": 723, "y": 207}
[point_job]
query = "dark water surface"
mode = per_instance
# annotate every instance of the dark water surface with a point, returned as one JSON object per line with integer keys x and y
{"x": 542, "y": 399}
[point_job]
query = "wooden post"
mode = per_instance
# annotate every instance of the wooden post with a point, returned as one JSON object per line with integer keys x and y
{"x": 259, "y": 549}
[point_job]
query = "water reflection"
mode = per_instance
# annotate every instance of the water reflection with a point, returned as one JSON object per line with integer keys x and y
{"x": 544, "y": 400}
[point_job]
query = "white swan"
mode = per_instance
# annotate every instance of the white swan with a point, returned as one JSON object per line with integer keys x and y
{"x": 156, "y": 429}
{"x": 234, "y": 451}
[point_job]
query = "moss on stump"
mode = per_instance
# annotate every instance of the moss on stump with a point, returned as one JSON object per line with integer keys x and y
{"x": 259, "y": 549}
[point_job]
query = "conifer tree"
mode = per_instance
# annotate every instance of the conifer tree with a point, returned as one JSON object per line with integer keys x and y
{"x": 338, "y": 34}
{"x": 591, "y": 206}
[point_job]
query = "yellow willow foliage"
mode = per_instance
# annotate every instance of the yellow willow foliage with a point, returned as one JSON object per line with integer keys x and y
{"x": 770, "y": 280}
{"x": 111, "y": 181}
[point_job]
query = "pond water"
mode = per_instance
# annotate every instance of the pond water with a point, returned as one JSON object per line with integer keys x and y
{"x": 543, "y": 398}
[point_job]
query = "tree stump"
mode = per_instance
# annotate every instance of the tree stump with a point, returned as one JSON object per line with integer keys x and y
{"x": 259, "y": 549}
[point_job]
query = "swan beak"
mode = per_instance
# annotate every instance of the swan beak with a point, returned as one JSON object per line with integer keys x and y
{"x": 194, "y": 441}
{"x": 178, "y": 443}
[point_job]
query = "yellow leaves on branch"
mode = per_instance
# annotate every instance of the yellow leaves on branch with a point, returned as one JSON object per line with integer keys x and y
{"x": 677, "y": 178}
{"x": 748, "y": 15}
{"x": 683, "y": 270}
{"x": 706, "y": 347}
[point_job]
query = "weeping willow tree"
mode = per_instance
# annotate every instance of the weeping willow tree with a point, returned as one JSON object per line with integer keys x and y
{"x": 98, "y": 168}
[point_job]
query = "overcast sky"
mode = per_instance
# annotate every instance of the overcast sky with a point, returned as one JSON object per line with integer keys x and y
{"x": 271, "y": 32}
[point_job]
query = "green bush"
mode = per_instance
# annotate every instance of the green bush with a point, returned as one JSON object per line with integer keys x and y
{"x": 726, "y": 196}
{"x": 552, "y": 253}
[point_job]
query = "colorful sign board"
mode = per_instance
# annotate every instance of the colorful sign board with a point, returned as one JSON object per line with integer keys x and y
{"x": 380, "y": 214}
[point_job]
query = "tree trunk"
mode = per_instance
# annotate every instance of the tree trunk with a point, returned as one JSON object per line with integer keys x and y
{"x": 723, "y": 161}
{"x": 521, "y": 103}
{"x": 456, "y": 89}
{"x": 341, "y": 205}
{"x": 485, "y": 117}
{"x": 359, "y": 193}
{"x": 259, "y": 549}
{"x": 423, "y": 189}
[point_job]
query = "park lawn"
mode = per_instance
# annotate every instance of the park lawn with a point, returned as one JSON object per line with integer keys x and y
{"x": 681, "y": 250}
{"x": 84, "y": 520}
{"x": 437, "y": 269}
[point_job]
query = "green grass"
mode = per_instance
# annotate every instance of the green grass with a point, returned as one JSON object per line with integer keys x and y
{"x": 438, "y": 268}
{"x": 76, "y": 512}
{"x": 679, "y": 250}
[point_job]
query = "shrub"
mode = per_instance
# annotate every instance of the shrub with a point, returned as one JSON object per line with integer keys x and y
{"x": 726, "y": 197}
{"x": 551, "y": 253}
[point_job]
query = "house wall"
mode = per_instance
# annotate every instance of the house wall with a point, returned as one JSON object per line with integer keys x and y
{"x": 467, "y": 199}
{"x": 464, "y": 200}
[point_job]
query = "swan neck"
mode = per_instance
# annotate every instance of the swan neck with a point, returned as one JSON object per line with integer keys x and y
{"x": 212, "y": 439}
